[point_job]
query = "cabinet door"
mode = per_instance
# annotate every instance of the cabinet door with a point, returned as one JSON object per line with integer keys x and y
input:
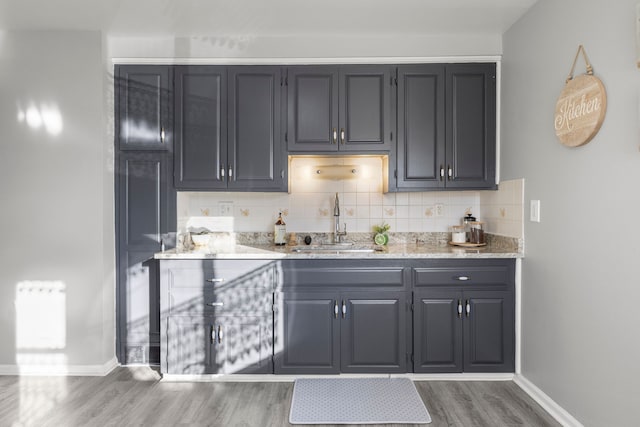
{"x": 243, "y": 345}
{"x": 373, "y": 332}
{"x": 256, "y": 157}
{"x": 144, "y": 114}
{"x": 201, "y": 127}
{"x": 471, "y": 125}
{"x": 312, "y": 108}
{"x": 437, "y": 328}
{"x": 365, "y": 108}
{"x": 192, "y": 346}
{"x": 421, "y": 127}
{"x": 145, "y": 220}
{"x": 489, "y": 331}
{"x": 307, "y": 334}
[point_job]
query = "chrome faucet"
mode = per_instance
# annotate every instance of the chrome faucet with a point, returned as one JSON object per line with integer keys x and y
{"x": 337, "y": 234}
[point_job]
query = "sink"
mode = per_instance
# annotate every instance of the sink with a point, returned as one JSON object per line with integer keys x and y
{"x": 347, "y": 247}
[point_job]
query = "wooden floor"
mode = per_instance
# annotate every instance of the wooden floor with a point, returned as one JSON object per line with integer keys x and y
{"x": 136, "y": 396}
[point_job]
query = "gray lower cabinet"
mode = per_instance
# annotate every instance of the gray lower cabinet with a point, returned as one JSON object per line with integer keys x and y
{"x": 145, "y": 222}
{"x": 464, "y": 318}
{"x": 330, "y": 332}
{"x": 216, "y": 316}
{"x": 336, "y": 317}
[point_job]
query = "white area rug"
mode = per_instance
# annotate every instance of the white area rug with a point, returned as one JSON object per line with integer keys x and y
{"x": 357, "y": 401}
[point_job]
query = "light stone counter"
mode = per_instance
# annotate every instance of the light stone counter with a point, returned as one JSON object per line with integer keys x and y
{"x": 391, "y": 251}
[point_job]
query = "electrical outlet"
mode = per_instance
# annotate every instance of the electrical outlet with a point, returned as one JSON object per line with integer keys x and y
{"x": 438, "y": 209}
{"x": 225, "y": 208}
{"x": 534, "y": 211}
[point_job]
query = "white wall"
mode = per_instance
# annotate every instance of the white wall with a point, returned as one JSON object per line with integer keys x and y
{"x": 580, "y": 281}
{"x": 56, "y": 217}
{"x": 343, "y": 48}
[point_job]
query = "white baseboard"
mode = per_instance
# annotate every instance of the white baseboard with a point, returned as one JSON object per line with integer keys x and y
{"x": 61, "y": 370}
{"x": 547, "y": 403}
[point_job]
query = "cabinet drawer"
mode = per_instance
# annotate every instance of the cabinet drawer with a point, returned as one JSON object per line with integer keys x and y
{"x": 230, "y": 274}
{"x": 247, "y": 301}
{"x": 470, "y": 275}
{"x": 340, "y": 276}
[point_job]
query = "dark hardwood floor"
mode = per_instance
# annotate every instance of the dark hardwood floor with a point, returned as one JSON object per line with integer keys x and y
{"x": 135, "y": 396}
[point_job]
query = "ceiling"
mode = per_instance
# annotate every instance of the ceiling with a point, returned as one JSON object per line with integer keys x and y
{"x": 264, "y": 17}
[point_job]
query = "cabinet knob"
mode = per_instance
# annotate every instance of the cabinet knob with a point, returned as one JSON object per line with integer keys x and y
{"x": 215, "y": 304}
{"x": 220, "y": 334}
{"x": 459, "y": 309}
{"x": 335, "y": 136}
{"x": 215, "y": 280}
{"x": 468, "y": 307}
{"x": 441, "y": 172}
{"x": 222, "y": 171}
{"x": 335, "y": 309}
{"x": 230, "y": 172}
{"x": 162, "y": 135}
{"x": 462, "y": 278}
{"x": 344, "y": 309}
{"x": 449, "y": 171}
{"x": 342, "y": 136}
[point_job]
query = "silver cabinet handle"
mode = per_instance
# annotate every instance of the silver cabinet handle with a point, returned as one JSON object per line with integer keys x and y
{"x": 335, "y": 136}
{"x": 212, "y": 333}
{"x": 449, "y": 171}
{"x": 468, "y": 308}
{"x": 342, "y": 136}
{"x": 222, "y": 171}
{"x": 162, "y": 135}
{"x": 462, "y": 278}
{"x": 459, "y": 309}
{"x": 441, "y": 172}
{"x": 215, "y": 304}
{"x": 220, "y": 334}
{"x": 344, "y": 309}
{"x": 215, "y": 280}
{"x": 230, "y": 172}
{"x": 335, "y": 309}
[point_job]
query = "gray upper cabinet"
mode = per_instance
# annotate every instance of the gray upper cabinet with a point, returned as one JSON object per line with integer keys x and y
{"x": 228, "y": 128}
{"x": 421, "y": 127}
{"x": 339, "y": 108}
{"x": 446, "y": 127}
{"x": 471, "y": 126}
{"x": 201, "y": 127}
{"x": 256, "y": 158}
{"x": 144, "y": 112}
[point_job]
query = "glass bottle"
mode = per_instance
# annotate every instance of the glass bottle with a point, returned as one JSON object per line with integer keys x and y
{"x": 279, "y": 231}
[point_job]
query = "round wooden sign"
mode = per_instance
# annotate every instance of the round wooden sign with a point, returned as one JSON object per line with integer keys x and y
{"x": 580, "y": 110}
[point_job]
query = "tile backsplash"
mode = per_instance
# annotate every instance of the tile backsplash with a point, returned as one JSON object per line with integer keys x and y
{"x": 309, "y": 205}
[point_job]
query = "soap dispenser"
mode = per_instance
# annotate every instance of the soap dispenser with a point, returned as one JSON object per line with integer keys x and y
{"x": 280, "y": 231}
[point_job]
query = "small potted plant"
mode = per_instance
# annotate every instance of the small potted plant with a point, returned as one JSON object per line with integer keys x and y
{"x": 381, "y": 237}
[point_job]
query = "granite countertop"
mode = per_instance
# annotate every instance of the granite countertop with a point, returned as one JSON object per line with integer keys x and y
{"x": 391, "y": 251}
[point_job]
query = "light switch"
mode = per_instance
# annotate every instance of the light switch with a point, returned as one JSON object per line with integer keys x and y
{"x": 534, "y": 211}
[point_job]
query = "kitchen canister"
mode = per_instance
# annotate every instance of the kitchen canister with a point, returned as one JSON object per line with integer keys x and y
{"x": 476, "y": 234}
{"x": 458, "y": 234}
